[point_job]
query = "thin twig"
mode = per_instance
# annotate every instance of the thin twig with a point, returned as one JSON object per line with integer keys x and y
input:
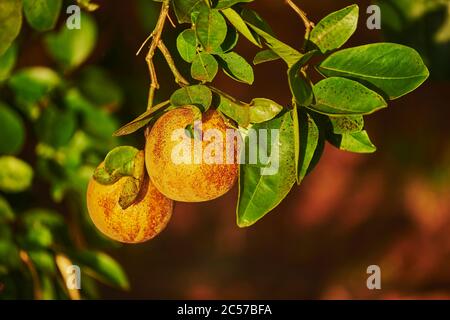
{"x": 178, "y": 77}
{"x": 308, "y": 24}
{"x": 156, "y": 36}
{"x": 34, "y": 275}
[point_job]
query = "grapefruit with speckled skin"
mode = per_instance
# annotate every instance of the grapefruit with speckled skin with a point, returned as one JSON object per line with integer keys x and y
{"x": 140, "y": 222}
{"x": 188, "y": 181}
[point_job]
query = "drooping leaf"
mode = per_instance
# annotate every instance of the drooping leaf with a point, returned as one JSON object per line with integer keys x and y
{"x": 196, "y": 95}
{"x": 392, "y": 68}
{"x": 265, "y": 56}
{"x": 300, "y": 85}
{"x": 42, "y": 14}
{"x": 237, "y": 67}
{"x": 187, "y": 45}
{"x": 15, "y": 174}
{"x": 307, "y": 142}
{"x": 204, "y": 67}
{"x": 261, "y": 189}
{"x": 10, "y": 22}
{"x": 72, "y": 47}
{"x": 12, "y": 130}
{"x": 341, "y": 96}
{"x": 211, "y": 29}
{"x": 358, "y": 142}
{"x": 335, "y": 29}
{"x": 234, "y": 109}
{"x": 240, "y": 25}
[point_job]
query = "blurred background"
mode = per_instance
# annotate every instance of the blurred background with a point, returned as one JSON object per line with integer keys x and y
{"x": 391, "y": 208}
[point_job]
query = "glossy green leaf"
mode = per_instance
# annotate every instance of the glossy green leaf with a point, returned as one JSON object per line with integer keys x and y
{"x": 240, "y": 25}
{"x": 234, "y": 109}
{"x": 237, "y": 67}
{"x": 7, "y": 62}
{"x": 340, "y": 96}
{"x": 187, "y": 45}
{"x": 393, "y": 69}
{"x": 15, "y": 174}
{"x": 284, "y": 51}
{"x": 300, "y": 85}
{"x": 211, "y": 29}
{"x": 196, "y": 95}
{"x": 334, "y": 30}
{"x": 184, "y": 8}
{"x": 33, "y": 84}
{"x": 358, "y": 142}
{"x": 223, "y": 4}
{"x": 72, "y": 47}
{"x": 204, "y": 67}
{"x": 12, "y": 131}
{"x": 262, "y": 110}
{"x": 258, "y": 193}
{"x": 265, "y": 56}
{"x": 346, "y": 124}
{"x": 307, "y": 143}
{"x": 121, "y": 159}
{"x": 102, "y": 267}
{"x": 42, "y": 15}
{"x": 10, "y": 22}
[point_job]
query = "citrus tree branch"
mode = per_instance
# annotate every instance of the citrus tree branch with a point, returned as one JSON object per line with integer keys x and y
{"x": 308, "y": 24}
{"x": 171, "y": 63}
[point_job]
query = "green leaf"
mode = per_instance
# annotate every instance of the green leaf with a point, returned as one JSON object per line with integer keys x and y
{"x": 187, "y": 45}
{"x": 391, "y": 68}
{"x": 284, "y": 51}
{"x": 48, "y": 218}
{"x": 231, "y": 39}
{"x": 56, "y": 127}
{"x": 358, "y": 142}
{"x": 38, "y": 236}
{"x": 262, "y": 110}
{"x": 258, "y": 193}
{"x": 7, "y": 62}
{"x": 72, "y": 47}
{"x": 346, "y": 124}
{"x": 15, "y": 174}
{"x": 334, "y": 30}
{"x": 43, "y": 261}
{"x": 196, "y": 95}
{"x": 237, "y": 67}
{"x": 300, "y": 85}
{"x": 307, "y": 142}
{"x": 42, "y": 15}
{"x": 265, "y": 56}
{"x": 234, "y": 109}
{"x": 10, "y": 22}
{"x": 6, "y": 212}
{"x": 223, "y": 4}
{"x": 119, "y": 162}
{"x": 204, "y": 67}
{"x": 253, "y": 18}
{"x": 211, "y": 29}
{"x": 33, "y": 84}
{"x": 142, "y": 120}
{"x": 240, "y": 25}
{"x": 12, "y": 131}
{"x": 9, "y": 254}
{"x": 184, "y": 9}
{"x": 102, "y": 267}
{"x": 340, "y": 96}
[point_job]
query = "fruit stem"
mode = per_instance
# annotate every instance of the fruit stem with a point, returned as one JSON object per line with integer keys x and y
{"x": 308, "y": 24}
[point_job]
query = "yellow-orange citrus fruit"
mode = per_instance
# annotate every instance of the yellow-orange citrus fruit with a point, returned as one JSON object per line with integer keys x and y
{"x": 140, "y": 222}
{"x": 189, "y": 181}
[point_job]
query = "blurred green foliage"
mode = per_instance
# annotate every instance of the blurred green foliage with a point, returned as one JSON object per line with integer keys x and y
{"x": 56, "y": 125}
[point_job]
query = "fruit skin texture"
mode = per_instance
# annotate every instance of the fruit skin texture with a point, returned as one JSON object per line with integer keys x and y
{"x": 140, "y": 222}
{"x": 187, "y": 182}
